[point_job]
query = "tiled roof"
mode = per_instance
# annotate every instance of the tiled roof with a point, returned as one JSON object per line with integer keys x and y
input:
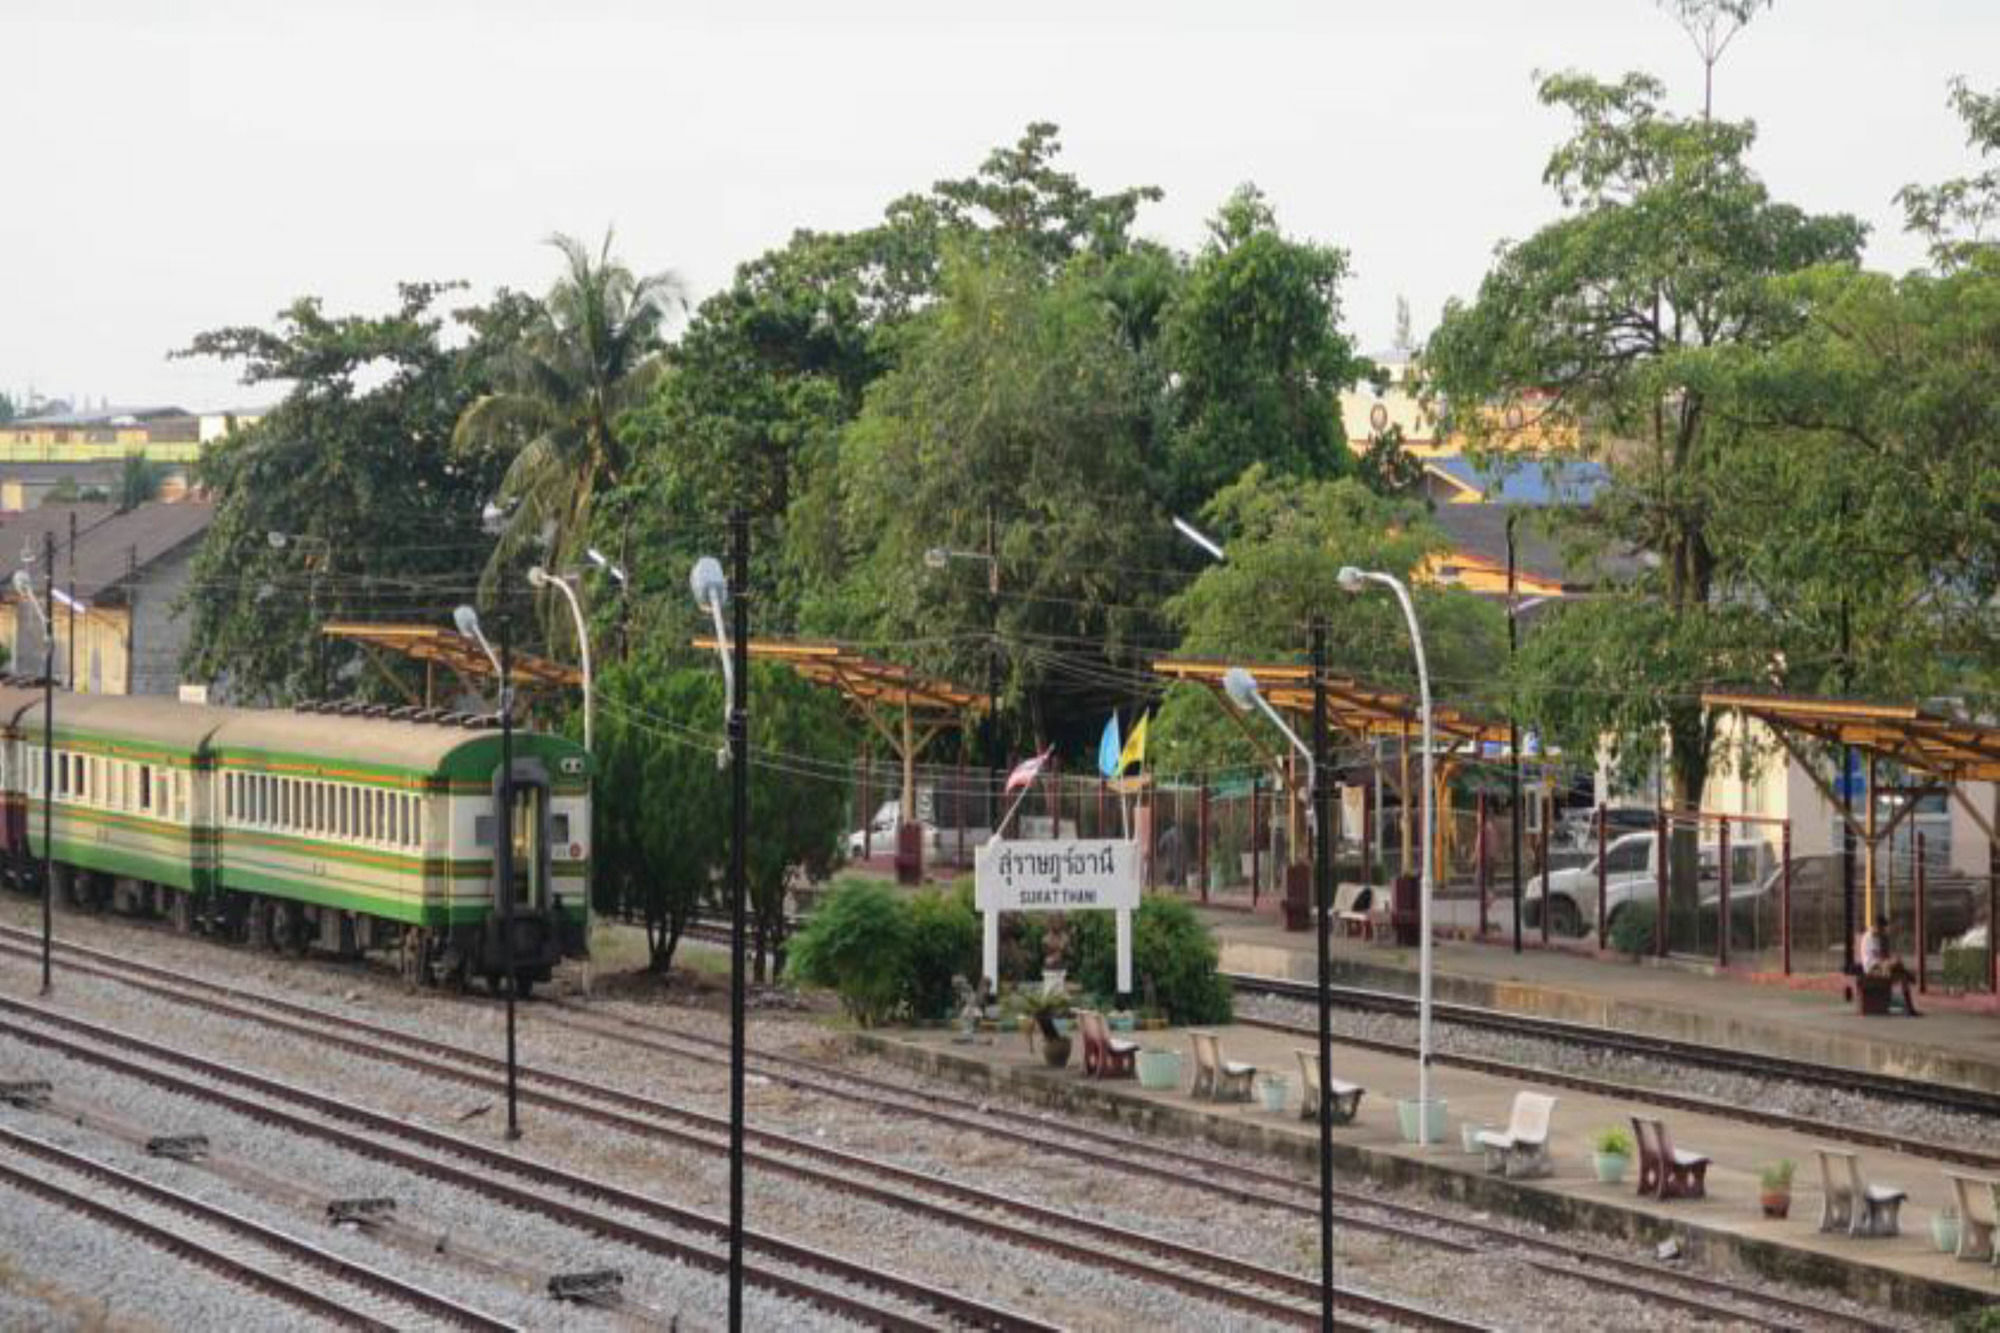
{"x": 110, "y": 543}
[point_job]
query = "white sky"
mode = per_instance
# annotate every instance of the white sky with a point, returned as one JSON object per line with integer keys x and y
{"x": 183, "y": 164}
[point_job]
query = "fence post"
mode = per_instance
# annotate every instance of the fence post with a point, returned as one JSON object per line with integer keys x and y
{"x": 1101, "y": 826}
{"x": 1368, "y": 835}
{"x": 961, "y": 803}
{"x": 1785, "y": 894}
{"x": 1923, "y": 944}
{"x": 867, "y": 815}
{"x": 1603, "y": 877}
{"x": 1661, "y": 851}
{"x": 1479, "y": 870}
{"x": 1256, "y": 840}
{"x": 1201, "y": 828}
{"x": 1542, "y": 849}
{"x": 1722, "y": 893}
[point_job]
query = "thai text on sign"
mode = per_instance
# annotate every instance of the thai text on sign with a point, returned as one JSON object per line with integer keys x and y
{"x": 1057, "y": 876}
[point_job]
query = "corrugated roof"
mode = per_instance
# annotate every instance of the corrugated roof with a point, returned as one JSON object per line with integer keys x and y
{"x": 103, "y": 416}
{"x": 1481, "y": 530}
{"x": 110, "y": 542}
{"x": 1542, "y": 481}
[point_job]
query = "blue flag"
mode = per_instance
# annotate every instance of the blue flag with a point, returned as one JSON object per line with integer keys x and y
{"x": 1109, "y": 749}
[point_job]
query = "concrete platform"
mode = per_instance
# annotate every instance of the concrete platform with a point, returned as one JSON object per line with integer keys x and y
{"x": 1957, "y": 1040}
{"x": 1728, "y": 1228}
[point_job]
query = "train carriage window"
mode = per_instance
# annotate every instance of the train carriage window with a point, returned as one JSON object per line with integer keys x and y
{"x": 229, "y": 796}
{"x": 181, "y": 787}
{"x": 369, "y": 822}
{"x": 322, "y": 796}
{"x": 146, "y": 787}
{"x": 378, "y": 809}
{"x": 346, "y": 812}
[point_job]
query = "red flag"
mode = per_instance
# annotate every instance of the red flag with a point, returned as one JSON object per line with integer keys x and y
{"x": 1027, "y": 770}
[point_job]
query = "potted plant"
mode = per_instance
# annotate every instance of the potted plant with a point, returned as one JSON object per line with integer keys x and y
{"x": 1271, "y": 1092}
{"x": 1611, "y": 1153}
{"x": 1944, "y": 1229}
{"x": 1775, "y": 1182}
{"x": 1047, "y": 1015}
{"x": 1159, "y": 1068}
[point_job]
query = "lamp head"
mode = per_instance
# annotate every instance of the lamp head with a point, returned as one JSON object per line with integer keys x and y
{"x": 599, "y": 559}
{"x": 493, "y": 517}
{"x": 707, "y": 583}
{"x": 1241, "y": 687}
{"x": 1350, "y": 579}
{"x": 277, "y": 540}
{"x": 23, "y": 585}
{"x": 467, "y": 621}
{"x": 537, "y": 576}
{"x": 1200, "y": 538}
{"x": 937, "y": 558}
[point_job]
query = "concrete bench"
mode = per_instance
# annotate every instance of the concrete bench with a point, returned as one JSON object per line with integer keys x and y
{"x": 1522, "y": 1149}
{"x": 1214, "y": 1076}
{"x": 1976, "y": 1196}
{"x": 1104, "y": 1056}
{"x": 1849, "y": 1203}
{"x": 1345, "y": 1098}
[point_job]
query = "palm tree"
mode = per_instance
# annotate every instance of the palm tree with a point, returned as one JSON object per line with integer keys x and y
{"x": 590, "y": 353}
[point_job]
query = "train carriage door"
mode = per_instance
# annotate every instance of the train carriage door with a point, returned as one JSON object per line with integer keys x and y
{"x": 530, "y": 845}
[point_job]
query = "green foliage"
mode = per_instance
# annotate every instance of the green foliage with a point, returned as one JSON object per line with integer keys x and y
{"x": 1777, "y": 1175}
{"x": 8, "y": 408}
{"x": 797, "y": 817}
{"x": 944, "y": 943}
{"x": 1957, "y": 216}
{"x": 584, "y": 359}
{"x": 139, "y": 481}
{"x": 1964, "y": 969}
{"x": 1254, "y": 338}
{"x": 1613, "y": 1142}
{"x": 1171, "y": 949}
{"x": 365, "y": 475}
{"x": 857, "y": 942}
{"x": 1632, "y": 928}
{"x": 659, "y": 809}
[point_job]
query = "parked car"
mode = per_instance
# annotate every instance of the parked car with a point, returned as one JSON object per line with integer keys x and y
{"x": 880, "y": 836}
{"x": 1577, "y": 830}
{"x": 1631, "y": 874}
{"x": 1819, "y": 912}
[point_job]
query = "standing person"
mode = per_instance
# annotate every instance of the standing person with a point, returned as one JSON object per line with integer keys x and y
{"x": 1878, "y": 959}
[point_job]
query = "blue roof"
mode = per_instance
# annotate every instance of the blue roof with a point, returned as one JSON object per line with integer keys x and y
{"x": 1527, "y": 481}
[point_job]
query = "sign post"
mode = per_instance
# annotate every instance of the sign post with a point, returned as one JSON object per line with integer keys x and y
{"x": 1058, "y": 875}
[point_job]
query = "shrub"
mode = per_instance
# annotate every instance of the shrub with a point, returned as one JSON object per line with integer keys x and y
{"x": 1021, "y": 938}
{"x": 1964, "y": 969}
{"x": 1171, "y": 948}
{"x": 1632, "y": 931}
{"x": 1613, "y": 1142}
{"x": 858, "y": 943}
{"x": 944, "y": 943}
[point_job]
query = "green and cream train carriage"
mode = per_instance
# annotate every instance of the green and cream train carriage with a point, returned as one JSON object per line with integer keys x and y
{"x": 295, "y": 829}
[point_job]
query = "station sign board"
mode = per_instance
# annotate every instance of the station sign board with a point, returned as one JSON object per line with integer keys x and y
{"x": 1058, "y": 875}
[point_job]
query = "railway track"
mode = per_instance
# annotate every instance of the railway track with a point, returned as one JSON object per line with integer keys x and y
{"x": 1969, "y": 1101}
{"x": 281, "y": 1266}
{"x": 1216, "y": 1277}
{"x": 1272, "y": 1294}
{"x": 498, "y": 1176}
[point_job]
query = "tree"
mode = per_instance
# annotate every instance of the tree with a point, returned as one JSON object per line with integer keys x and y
{"x": 366, "y": 474}
{"x": 1027, "y": 206}
{"x": 1288, "y": 540}
{"x": 660, "y": 814}
{"x": 138, "y": 481}
{"x": 1955, "y": 215}
{"x": 801, "y": 747}
{"x": 1254, "y": 339}
{"x": 8, "y": 408}
{"x": 1015, "y": 421}
{"x": 1619, "y": 321}
{"x": 586, "y": 358}
{"x": 1711, "y": 25}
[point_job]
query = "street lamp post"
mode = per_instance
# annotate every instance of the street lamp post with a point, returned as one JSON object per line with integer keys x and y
{"x": 1241, "y": 687}
{"x": 711, "y": 591}
{"x": 1352, "y": 580}
{"x": 937, "y": 557}
{"x": 25, "y": 586}
{"x": 541, "y": 578}
{"x": 467, "y": 620}
{"x": 280, "y": 541}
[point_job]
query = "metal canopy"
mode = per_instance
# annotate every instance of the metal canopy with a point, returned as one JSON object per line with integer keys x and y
{"x": 447, "y": 647}
{"x": 1352, "y": 707}
{"x": 866, "y": 681}
{"x": 1947, "y": 748}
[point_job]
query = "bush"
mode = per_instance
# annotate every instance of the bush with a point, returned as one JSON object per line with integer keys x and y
{"x": 944, "y": 943}
{"x": 1171, "y": 948}
{"x": 1021, "y": 939}
{"x": 1964, "y": 969}
{"x": 858, "y": 943}
{"x": 1632, "y": 929}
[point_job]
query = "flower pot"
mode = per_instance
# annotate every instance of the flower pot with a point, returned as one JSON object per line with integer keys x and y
{"x": 1271, "y": 1093}
{"x": 1121, "y": 1022}
{"x": 1468, "y": 1135}
{"x": 1432, "y": 1121}
{"x": 1055, "y": 1052}
{"x": 1159, "y": 1070}
{"x": 1610, "y": 1166}
{"x": 1944, "y": 1231}
{"x": 1777, "y": 1203}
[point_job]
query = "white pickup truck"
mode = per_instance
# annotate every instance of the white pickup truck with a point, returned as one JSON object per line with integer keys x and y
{"x": 1632, "y": 873}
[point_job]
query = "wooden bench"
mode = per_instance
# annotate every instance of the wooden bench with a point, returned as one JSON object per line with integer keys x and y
{"x": 1344, "y": 1098}
{"x": 1522, "y": 1149}
{"x": 1849, "y": 1203}
{"x": 1214, "y": 1076}
{"x": 1104, "y": 1056}
{"x": 1664, "y": 1171}
{"x": 1976, "y": 1197}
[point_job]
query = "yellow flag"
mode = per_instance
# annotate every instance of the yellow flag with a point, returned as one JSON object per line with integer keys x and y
{"x": 1135, "y": 746}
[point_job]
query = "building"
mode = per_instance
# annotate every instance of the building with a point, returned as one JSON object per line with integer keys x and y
{"x": 79, "y": 452}
{"x": 116, "y": 627}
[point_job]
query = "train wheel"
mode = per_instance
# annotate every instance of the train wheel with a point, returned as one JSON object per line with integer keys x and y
{"x": 292, "y": 928}
{"x": 180, "y": 910}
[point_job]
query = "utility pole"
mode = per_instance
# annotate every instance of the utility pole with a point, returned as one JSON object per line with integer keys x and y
{"x": 1514, "y": 744}
{"x": 505, "y": 826}
{"x": 993, "y": 756}
{"x": 739, "y": 815}
{"x": 70, "y": 674}
{"x": 1323, "y": 893}
{"x": 48, "y": 759}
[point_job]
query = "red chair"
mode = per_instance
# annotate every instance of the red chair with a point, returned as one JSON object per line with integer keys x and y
{"x": 1104, "y": 1056}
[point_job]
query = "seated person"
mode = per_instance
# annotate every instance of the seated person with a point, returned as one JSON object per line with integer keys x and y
{"x": 1878, "y": 959}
